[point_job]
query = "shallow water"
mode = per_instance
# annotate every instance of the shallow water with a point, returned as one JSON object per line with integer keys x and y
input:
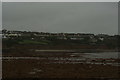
{"x": 103, "y": 55}
{"x": 76, "y": 58}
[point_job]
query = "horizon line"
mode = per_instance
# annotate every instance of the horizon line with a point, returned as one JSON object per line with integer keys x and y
{"x": 62, "y": 32}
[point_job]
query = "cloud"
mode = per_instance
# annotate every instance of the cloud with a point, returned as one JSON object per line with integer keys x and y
{"x": 62, "y": 17}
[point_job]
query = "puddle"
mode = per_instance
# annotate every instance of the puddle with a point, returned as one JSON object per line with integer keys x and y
{"x": 37, "y": 70}
{"x": 34, "y": 71}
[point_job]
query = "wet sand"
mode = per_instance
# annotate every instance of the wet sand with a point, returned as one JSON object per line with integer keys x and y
{"x": 44, "y": 69}
{"x": 23, "y": 62}
{"x": 58, "y": 65}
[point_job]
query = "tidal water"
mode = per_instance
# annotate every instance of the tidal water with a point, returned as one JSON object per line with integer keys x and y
{"x": 107, "y": 58}
{"x": 104, "y": 55}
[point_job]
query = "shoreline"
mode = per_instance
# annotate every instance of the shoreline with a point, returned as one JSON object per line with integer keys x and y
{"x": 74, "y": 50}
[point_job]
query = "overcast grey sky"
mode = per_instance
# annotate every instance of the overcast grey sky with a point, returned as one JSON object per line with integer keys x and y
{"x": 90, "y": 17}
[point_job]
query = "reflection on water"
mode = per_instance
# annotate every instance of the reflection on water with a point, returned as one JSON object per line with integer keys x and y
{"x": 105, "y": 58}
{"x": 102, "y": 55}
{"x": 35, "y": 71}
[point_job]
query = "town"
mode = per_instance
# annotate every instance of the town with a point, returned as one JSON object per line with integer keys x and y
{"x": 45, "y": 38}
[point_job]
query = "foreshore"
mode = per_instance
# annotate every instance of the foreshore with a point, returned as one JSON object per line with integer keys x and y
{"x": 56, "y": 62}
{"x": 39, "y": 69}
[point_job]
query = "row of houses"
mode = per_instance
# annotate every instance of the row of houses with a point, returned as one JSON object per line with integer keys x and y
{"x": 64, "y": 36}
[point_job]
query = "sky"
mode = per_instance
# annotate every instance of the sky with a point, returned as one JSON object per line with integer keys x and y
{"x": 59, "y": 0}
{"x": 78, "y": 17}
{"x": 0, "y": 16}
